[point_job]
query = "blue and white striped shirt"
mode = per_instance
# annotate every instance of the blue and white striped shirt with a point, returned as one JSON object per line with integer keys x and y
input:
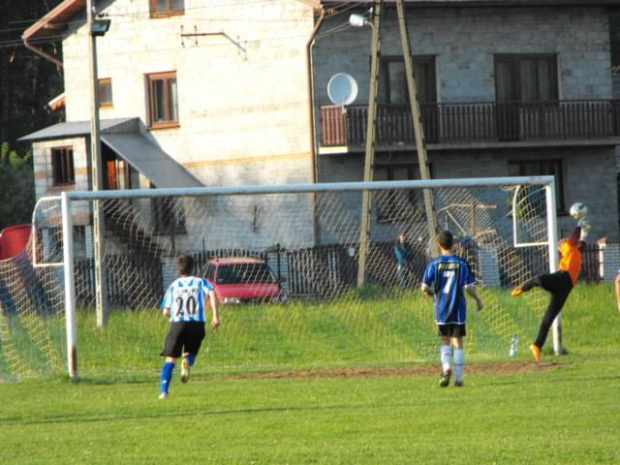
{"x": 447, "y": 276}
{"x": 186, "y": 297}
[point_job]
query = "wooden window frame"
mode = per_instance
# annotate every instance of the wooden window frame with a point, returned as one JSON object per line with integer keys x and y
{"x": 170, "y": 121}
{"x": 105, "y": 82}
{"x": 63, "y": 166}
{"x": 515, "y": 60}
{"x": 385, "y": 82}
{"x": 156, "y": 13}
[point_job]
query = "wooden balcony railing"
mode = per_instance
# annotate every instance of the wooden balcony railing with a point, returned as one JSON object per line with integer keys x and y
{"x": 451, "y": 123}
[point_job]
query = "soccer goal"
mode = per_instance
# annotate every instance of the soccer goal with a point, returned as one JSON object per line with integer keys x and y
{"x": 285, "y": 260}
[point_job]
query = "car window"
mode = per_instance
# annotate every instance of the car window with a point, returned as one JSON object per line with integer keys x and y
{"x": 210, "y": 272}
{"x": 245, "y": 273}
{"x": 226, "y": 275}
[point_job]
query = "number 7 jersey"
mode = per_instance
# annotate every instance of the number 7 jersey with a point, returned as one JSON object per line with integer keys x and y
{"x": 447, "y": 277}
{"x": 186, "y": 298}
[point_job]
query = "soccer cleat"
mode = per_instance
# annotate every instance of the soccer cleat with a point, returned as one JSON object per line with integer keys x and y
{"x": 536, "y": 352}
{"x": 185, "y": 370}
{"x": 444, "y": 381}
{"x": 163, "y": 396}
{"x": 458, "y": 384}
{"x": 517, "y": 291}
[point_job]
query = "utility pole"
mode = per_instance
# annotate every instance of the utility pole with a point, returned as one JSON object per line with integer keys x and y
{"x": 425, "y": 174}
{"x": 371, "y": 132}
{"x": 96, "y": 174}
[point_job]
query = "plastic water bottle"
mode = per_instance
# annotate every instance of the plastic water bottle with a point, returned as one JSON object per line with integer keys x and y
{"x": 514, "y": 346}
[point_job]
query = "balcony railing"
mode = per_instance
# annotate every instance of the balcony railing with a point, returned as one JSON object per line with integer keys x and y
{"x": 452, "y": 123}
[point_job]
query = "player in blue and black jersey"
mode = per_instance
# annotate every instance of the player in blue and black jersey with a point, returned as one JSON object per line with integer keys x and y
{"x": 185, "y": 305}
{"x": 446, "y": 279}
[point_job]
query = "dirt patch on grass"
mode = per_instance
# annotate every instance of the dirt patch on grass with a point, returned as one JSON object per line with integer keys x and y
{"x": 507, "y": 368}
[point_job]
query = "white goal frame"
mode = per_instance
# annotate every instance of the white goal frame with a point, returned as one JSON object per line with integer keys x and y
{"x": 67, "y": 223}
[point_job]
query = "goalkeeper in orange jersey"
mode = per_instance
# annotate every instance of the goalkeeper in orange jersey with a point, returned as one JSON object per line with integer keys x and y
{"x": 560, "y": 283}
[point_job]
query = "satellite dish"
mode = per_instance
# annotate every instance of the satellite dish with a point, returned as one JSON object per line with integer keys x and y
{"x": 342, "y": 89}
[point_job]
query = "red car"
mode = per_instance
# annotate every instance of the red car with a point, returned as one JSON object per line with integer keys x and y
{"x": 242, "y": 279}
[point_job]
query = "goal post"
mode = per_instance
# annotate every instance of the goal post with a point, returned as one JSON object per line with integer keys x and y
{"x": 313, "y": 261}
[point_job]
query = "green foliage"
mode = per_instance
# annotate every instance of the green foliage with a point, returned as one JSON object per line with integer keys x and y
{"x": 28, "y": 81}
{"x": 16, "y": 187}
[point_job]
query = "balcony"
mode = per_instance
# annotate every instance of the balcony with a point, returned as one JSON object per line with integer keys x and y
{"x": 459, "y": 124}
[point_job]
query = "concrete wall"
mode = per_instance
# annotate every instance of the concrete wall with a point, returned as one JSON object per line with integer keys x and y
{"x": 589, "y": 176}
{"x": 464, "y": 42}
{"x": 243, "y": 106}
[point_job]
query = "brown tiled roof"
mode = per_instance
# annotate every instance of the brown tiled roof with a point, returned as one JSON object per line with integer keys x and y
{"x": 53, "y": 23}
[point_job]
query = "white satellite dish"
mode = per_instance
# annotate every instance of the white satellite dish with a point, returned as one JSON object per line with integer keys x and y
{"x": 342, "y": 89}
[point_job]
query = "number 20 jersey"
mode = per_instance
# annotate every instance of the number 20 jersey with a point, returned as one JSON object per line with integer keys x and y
{"x": 447, "y": 276}
{"x": 185, "y": 298}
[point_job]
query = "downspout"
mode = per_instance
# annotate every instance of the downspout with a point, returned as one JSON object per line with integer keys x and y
{"x": 310, "y": 80}
{"x": 314, "y": 162}
{"x": 40, "y": 52}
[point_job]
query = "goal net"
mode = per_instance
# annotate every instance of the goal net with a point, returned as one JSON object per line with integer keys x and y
{"x": 285, "y": 261}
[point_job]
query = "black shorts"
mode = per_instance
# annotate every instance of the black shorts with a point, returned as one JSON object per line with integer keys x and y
{"x": 451, "y": 330}
{"x": 182, "y": 338}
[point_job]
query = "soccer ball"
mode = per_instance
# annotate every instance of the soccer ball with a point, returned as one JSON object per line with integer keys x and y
{"x": 578, "y": 210}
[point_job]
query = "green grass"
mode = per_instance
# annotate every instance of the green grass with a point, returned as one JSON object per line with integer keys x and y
{"x": 567, "y": 413}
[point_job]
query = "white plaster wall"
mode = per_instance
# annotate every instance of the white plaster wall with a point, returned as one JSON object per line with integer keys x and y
{"x": 242, "y": 96}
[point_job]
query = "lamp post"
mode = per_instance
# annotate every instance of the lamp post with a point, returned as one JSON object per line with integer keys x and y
{"x": 96, "y": 28}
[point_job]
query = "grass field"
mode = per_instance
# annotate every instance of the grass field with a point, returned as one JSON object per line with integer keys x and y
{"x": 511, "y": 411}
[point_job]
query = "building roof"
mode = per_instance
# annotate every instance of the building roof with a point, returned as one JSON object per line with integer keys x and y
{"x": 54, "y": 22}
{"x": 150, "y": 160}
{"x": 74, "y": 129}
{"x": 122, "y": 137}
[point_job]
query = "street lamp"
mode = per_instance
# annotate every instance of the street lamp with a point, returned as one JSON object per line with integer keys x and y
{"x": 357, "y": 20}
{"x": 100, "y": 25}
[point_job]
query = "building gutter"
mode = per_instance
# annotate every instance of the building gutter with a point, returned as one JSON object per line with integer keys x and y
{"x": 40, "y": 52}
{"x": 314, "y": 161}
{"x": 314, "y": 168}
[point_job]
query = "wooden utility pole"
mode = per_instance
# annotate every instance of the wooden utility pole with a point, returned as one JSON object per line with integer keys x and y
{"x": 425, "y": 174}
{"x": 371, "y": 133}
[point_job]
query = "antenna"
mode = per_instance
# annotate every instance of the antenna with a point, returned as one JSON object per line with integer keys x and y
{"x": 342, "y": 89}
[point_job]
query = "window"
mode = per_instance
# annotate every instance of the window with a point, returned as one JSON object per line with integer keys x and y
{"x": 163, "y": 8}
{"x": 526, "y": 78}
{"x": 163, "y": 104}
{"x": 62, "y": 166}
{"x": 398, "y": 205}
{"x": 522, "y": 79}
{"x": 542, "y": 168}
{"x": 393, "y": 80}
{"x": 105, "y": 92}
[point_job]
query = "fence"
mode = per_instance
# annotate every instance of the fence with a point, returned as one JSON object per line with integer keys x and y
{"x": 315, "y": 272}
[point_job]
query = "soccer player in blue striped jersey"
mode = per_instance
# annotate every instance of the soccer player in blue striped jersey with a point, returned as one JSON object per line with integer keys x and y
{"x": 185, "y": 305}
{"x": 446, "y": 279}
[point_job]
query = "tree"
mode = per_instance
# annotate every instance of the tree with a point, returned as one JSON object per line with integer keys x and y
{"x": 27, "y": 81}
{"x": 17, "y": 191}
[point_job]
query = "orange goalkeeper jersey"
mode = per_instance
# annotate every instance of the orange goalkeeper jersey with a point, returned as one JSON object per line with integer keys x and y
{"x": 571, "y": 260}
